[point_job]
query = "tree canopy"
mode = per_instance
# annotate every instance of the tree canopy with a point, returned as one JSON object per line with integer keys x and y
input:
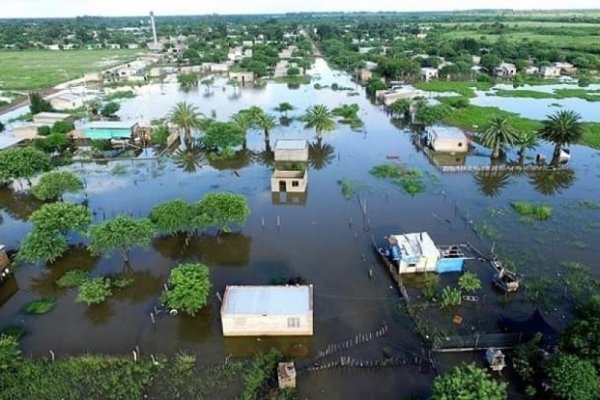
{"x": 220, "y": 210}
{"x": 467, "y": 382}
{"x": 498, "y": 134}
{"x": 94, "y": 291}
{"x": 319, "y": 118}
{"x": 189, "y": 286}
{"x": 223, "y": 135}
{"x": 561, "y": 128}
{"x": 572, "y": 378}
{"x": 54, "y": 184}
{"x": 110, "y": 109}
{"x": 120, "y": 234}
{"x": 22, "y": 163}
{"x": 174, "y": 216}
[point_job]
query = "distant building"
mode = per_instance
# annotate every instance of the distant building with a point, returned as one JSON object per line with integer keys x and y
{"x": 565, "y": 68}
{"x": 505, "y": 70}
{"x": 428, "y": 74}
{"x": 93, "y": 77}
{"x": 364, "y": 75}
{"x": 267, "y": 311}
{"x": 532, "y": 70}
{"x": 550, "y": 72}
{"x": 66, "y": 101}
{"x": 242, "y": 77}
{"x": 447, "y": 139}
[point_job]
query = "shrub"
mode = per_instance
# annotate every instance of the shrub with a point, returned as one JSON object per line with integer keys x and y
{"x": 63, "y": 127}
{"x": 261, "y": 374}
{"x": 529, "y": 210}
{"x": 451, "y": 297}
{"x": 467, "y": 382}
{"x": 469, "y": 282}
{"x": 39, "y": 306}
{"x": 73, "y": 278}
{"x": 572, "y": 378}
{"x": 43, "y": 130}
{"x": 94, "y": 291}
{"x": 9, "y": 352}
{"x": 189, "y": 288}
{"x": 430, "y": 282}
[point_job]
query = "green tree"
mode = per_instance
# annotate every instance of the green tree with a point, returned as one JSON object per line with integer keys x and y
{"x": 400, "y": 108}
{"x": 174, "y": 216}
{"x": 39, "y": 245}
{"x": 582, "y": 338}
{"x": 284, "y": 108}
{"x": 572, "y": 378}
{"x": 94, "y": 291}
{"x": 375, "y": 84}
{"x": 186, "y": 117}
{"x": 37, "y": 104}
{"x": 61, "y": 218}
{"x": 43, "y": 130}
{"x": 243, "y": 120}
{"x": 187, "y": 80}
{"x": 467, "y": 382}
{"x": 189, "y": 287}
{"x": 63, "y": 127}
{"x": 561, "y": 128}
{"x": 526, "y": 140}
{"x": 293, "y": 71}
{"x": 498, "y": 134}
{"x": 319, "y": 118}
{"x": 53, "y": 185}
{"x": 223, "y": 136}
{"x": 58, "y": 142}
{"x": 10, "y": 355}
{"x": 264, "y": 122}
{"x": 489, "y": 62}
{"x": 22, "y": 163}
{"x": 110, "y": 109}
{"x": 220, "y": 210}
{"x": 120, "y": 234}
{"x": 160, "y": 135}
{"x": 469, "y": 282}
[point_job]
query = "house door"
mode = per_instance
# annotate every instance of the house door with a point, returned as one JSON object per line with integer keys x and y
{"x": 282, "y": 186}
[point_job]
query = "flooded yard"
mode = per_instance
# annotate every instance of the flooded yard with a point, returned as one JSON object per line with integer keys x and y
{"x": 323, "y": 237}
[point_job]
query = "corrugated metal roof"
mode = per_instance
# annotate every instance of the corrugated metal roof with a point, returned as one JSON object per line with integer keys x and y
{"x": 267, "y": 300}
{"x": 417, "y": 245}
{"x": 448, "y": 133}
{"x": 110, "y": 125}
{"x": 291, "y": 144}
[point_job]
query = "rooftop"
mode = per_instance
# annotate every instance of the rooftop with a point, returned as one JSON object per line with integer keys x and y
{"x": 446, "y": 132}
{"x": 291, "y": 144}
{"x": 267, "y": 300}
{"x": 111, "y": 125}
{"x": 416, "y": 245}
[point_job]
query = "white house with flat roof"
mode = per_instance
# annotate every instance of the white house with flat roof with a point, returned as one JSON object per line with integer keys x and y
{"x": 291, "y": 150}
{"x": 267, "y": 311}
{"x": 49, "y": 118}
{"x": 447, "y": 139}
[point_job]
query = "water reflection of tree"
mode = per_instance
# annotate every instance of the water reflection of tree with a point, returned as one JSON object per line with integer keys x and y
{"x": 100, "y": 314}
{"x": 196, "y": 328}
{"x": 550, "y": 183}
{"x": 240, "y": 159}
{"x": 320, "y": 154}
{"x": 230, "y": 249}
{"x": 18, "y": 205}
{"x": 145, "y": 285}
{"x": 265, "y": 157}
{"x": 189, "y": 159}
{"x": 491, "y": 183}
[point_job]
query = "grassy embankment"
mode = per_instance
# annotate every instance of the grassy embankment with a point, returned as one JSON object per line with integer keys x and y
{"x": 589, "y": 95}
{"x": 38, "y": 69}
{"x": 473, "y": 118}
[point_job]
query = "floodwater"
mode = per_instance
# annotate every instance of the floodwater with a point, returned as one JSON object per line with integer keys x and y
{"x": 322, "y": 237}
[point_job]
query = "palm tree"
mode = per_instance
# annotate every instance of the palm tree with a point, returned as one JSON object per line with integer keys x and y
{"x": 266, "y": 122}
{"x": 550, "y": 183}
{"x": 320, "y": 155}
{"x": 562, "y": 128}
{"x": 283, "y": 108}
{"x": 320, "y": 118}
{"x": 187, "y": 117}
{"x": 498, "y": 134}
{"x": 491, "y": 182}
{"x": 243, "y": 120}
{"x": 526, "y": 140}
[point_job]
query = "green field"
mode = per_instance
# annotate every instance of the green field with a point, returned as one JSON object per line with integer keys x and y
{"x": 37, "y": 69}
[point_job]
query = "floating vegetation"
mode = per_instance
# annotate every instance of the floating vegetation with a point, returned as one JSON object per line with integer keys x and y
{"x": 122, "y": 283}
{"x": 588, "y": 204}
{"x": 348, "y": 188}
{"x": 119, "y": 170}
{"x": 430, "y": 282}
{"x": 39, "y": 306}
{"x": 409, "y": 179}
{"x": 485, "y": 229}
{"x": 578, "y": 280}
{"x": 578, "y": 244}
{"x": 15, "y": 331}
{"x": 530, "y": 210}
{"x": 72, "y": 279}
{"x": 451, "y": 297}
{"x": 348, "y": 114}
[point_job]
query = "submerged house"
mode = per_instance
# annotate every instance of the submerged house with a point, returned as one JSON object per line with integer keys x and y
{"x": 416, "y": 252}
{"x": 106, "y": 130}
{"x": 447, "y": 139}
{"x": 291, "y": 150}
{"x": 267, "y": 311}
{"x": 289, "y": 181}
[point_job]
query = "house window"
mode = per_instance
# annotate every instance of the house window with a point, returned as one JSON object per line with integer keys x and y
{"x": 460, "y": 144}
{"x": 295, "y": 184}
{"x": 293, "y": 322}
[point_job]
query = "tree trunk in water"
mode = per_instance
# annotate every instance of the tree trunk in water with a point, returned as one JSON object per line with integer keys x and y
{"x": 267, "y": 146}
{"x": 245, "y": 144}
{"x": 496, "y": 152}
{"x": 267, "y": 135}
{"x": 125, "y": 255}
{"x": 556, "y": 154}
{"x": 522, "y": 156}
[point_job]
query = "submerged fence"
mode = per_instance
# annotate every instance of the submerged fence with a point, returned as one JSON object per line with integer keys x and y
{"x": 450, "y": 344}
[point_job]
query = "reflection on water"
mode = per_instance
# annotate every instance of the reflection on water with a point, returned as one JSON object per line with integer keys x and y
{"x": 100, "y": 314}
{"x": 491, "y": 183}
{"x": 19, "y": 205}
{"x": 189, "y": 159}
{"x": 551, "y": 183}
{"x": 293, "y": 347}
{"x": 320, "y": 154}
{"x": 7, "y": 289}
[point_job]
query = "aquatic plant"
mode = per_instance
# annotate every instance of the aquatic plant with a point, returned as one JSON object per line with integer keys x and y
{"x": 469, "y": 282}
{"x": 430, "y": 282}
{"x": 588, "y": 204}
{"x": 409, "y": 179}
{"x": 536, "y": 211}
{"x": 39, "y": 306}
{"x": 189, "y": 286}
{"x": 16, "y": 331}
{"x": 9, "y": 353}
{"x": 73, "y": 278}
{"x": 451, "y": 297}
{"x": 348, "y": 188}
{"x": 485, "y": 229}
{"x": 94, "y": 291}
{"x": 122, "y": 283}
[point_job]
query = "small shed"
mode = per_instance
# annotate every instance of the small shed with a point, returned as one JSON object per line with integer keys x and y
{"x": 416, "y": 252}
{"x": 447, "y": 139}
{"x": 49, "y": 118}
{"x": 287, "y": 181}
{"x": 106, "y": 130}
{"x": 267, "y": 311}
{"x": 243, "y": 77}
{"x": 291, "y": 150}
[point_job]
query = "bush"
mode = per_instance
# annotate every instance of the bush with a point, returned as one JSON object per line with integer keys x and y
{"x": 430, "y": 282}
{"x": 43, "y": 130}
{"x": 110, "y": 109}
{"x": 73, "y": 278}
{"x": 469, "y": 282}
{"x": 537, "y": 211}
{"x": 293, "y": 71}
{"x": 458, "y": 102}
{"x": 39, "y": 306}
{"x": 572, "y": 378}
{"x": 54, "y": 184}
{"x": 101, "y": 145}
{"x": 9, "y": 352}
{"x": 15, "y": 331}
{"x": 451, "y": 297}
{"x": 94, "y": 291}
{"x": 63, "y": 127}
{"x": 261, "y": 374}
{"x": 467, "y": 382}
{"x": 189, "y": 288}
{"x": 160, "y": 134}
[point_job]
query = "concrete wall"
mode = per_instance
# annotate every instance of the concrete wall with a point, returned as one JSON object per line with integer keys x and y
{"x": 267, "y": 325}
{"x": 291, "y": 155}
{"x": 295, "y": 181}
{"x": 450, "y": 145}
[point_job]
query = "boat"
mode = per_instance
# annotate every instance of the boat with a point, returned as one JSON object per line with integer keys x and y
{"x": 505, "y": 279}
{"x": 495, "y": 359}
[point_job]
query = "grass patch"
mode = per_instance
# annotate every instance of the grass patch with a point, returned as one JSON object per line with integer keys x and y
{"x": 464, "y": 88}
{"x": 37, "y": 69}
{"x": 118, "y": 95}
{"x": 409, "y": 179}
{"x": 532, "y": 94}
{"x": 536, "y": 211}
{"x": 485, "y": 229}
{"x": 17, "y": 332}
{"x": 39, "y": 306}
{"x": 72, "y": 279}
{"x": 348, "y": 188}
{"x": 294, "y": 80}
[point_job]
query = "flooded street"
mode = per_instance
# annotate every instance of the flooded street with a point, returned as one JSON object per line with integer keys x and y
{"x": 322, "y": 237}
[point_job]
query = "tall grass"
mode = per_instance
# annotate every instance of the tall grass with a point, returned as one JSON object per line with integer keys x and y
{"x": 530, "y": 210}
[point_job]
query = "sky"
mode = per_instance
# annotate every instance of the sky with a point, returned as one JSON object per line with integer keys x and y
{"x": 71, "y": 8}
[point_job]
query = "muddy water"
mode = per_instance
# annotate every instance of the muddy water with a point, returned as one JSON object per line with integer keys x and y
{"x": 325, "y": 239}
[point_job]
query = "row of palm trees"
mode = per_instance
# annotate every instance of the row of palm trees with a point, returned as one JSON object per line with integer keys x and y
{"x": 561, "y": 128}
